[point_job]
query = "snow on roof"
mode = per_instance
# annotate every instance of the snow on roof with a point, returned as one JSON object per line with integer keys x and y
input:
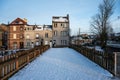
{"x": 60, "y": 19}
{"x": 43, "y": 27}
{"x": 114, "y": 45}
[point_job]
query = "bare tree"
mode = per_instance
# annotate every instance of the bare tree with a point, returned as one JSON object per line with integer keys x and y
{"x": 100, "y": 24}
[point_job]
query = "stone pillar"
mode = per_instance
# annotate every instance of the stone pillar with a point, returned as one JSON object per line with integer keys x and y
{"x": 12, "y": 66}
{"x": 117, "y": 63}
{"x": 5, "y": 71}
{"x": 38, "y": 52}
{"x": 28, "y": 58}
{"x": 16, "y": 62}
{"x": 34, "y": 53}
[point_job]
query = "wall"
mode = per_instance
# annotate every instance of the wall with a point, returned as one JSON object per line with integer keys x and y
{"x": 18, "y": 33}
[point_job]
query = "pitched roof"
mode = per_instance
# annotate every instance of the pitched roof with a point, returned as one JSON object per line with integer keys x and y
{"x": 19, "y": 21}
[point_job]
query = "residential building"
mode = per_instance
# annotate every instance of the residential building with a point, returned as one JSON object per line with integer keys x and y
{"x": 60, "y": 28}
{"x": 21, "y": 35}
{"x": 3, "y": 36}
{"x": 29, "y": 36}
{"x": 36, "y": 35}
{"x": 43, "y": 34}
{"x": 16, "y": 33}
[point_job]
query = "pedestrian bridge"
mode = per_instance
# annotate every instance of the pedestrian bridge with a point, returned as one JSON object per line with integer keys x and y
{"x": 61, "y": 64}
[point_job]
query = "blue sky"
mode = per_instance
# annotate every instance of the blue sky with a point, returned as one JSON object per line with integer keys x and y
{"x": 41, "y": 12}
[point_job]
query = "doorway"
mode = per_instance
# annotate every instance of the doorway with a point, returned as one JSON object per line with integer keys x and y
{"x": 21, "y": 45}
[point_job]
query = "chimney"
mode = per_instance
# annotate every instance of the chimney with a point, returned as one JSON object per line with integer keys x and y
{"x": 44, "y": 27}
{"x": 68, "y": 16}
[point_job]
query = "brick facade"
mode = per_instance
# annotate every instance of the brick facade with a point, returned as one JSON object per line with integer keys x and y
{"x": 16, "y": 34}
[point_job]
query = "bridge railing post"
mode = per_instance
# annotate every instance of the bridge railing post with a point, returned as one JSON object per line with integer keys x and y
{"x": 16, "y": 62}
{"x": 117, "y": 63}
{"x": 28, "y": 58}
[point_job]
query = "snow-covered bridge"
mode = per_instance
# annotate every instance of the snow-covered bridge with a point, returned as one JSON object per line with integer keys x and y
{"x": 62, "y": 64}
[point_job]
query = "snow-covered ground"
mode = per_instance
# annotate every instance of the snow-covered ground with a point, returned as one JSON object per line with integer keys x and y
{"x": 62, "y": 64}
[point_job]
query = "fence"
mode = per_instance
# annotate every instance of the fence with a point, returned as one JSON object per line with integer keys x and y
{"x": 10, "y": 64}
{"x": 103, "y": 59}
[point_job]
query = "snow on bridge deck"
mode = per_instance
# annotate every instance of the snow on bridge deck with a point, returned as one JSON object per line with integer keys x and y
{"x": 62, "y": 64}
